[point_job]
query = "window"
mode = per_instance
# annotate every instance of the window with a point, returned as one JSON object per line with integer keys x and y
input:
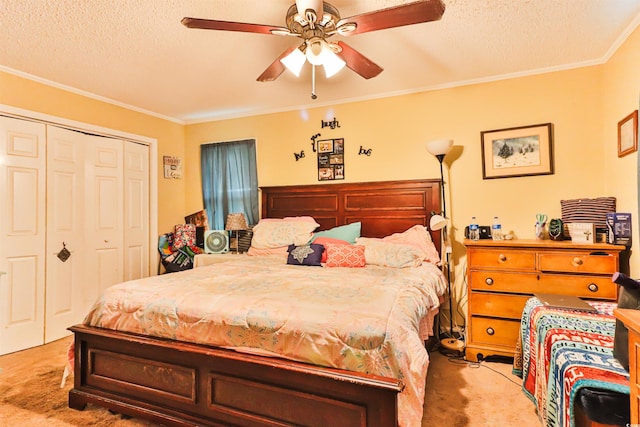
{"x": 229, "y": 180}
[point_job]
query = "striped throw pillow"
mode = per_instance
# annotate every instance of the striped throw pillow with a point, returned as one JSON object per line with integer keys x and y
{"x": 588, "y": 210}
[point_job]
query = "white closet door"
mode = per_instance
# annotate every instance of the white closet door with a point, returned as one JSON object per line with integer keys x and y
{"x": 65, "y": 229}
{"x": 22, "y": 234}
{"x": 103, "y": 215}
{"x": 136, "y": 210}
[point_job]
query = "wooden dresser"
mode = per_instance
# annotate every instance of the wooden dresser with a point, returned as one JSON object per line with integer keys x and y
{"x": 502, "y": 275}
{"x": 631, "y": 319}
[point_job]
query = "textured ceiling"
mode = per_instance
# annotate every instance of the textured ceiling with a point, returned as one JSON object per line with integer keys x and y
{"x": 136, "y": 52}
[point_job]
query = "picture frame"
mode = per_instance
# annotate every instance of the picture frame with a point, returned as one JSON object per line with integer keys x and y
{"x": 331, "y": 159}
{"x": 518, "y": 151}
{"x": 628, "y": 134}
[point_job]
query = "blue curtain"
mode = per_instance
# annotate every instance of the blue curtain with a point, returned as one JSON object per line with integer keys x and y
{"x": 229, "y": 181}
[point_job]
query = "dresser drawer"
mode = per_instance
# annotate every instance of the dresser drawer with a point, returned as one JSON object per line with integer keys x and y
{"x": 497, "y": 305}
{"x": 504, "y": 259}
{"x": 596, "y": 287}
{"x": 500, "y": 332}
{"x": 498, "y": 281}
{"x": 578, "y": 262}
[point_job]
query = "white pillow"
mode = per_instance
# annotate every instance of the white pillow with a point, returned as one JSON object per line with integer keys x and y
{"x": 274, "y": 234}
{"x": 379, "y": 252}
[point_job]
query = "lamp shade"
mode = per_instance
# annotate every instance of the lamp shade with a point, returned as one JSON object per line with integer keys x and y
{"x": 438, "y": 222}
{"x": 439, "y": 147}
{"x": 294, "y": 61}
{"x": 236, "y": 221}
{"x": 332, "y": 63}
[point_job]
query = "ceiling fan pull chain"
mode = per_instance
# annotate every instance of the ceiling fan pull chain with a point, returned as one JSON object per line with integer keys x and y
{"x": 313, "y": 82}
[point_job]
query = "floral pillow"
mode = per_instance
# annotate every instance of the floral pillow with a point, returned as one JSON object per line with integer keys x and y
{"x": 419, "y": 237}
{"x": 274, "y": 234}
{"x": 379, "y": 252}
{"x": 345, "y": 255}
{"x": 305, "y": 255}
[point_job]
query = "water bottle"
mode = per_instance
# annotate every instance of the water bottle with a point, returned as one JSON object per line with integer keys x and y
{"x": 496, "y": 229}
{"x": 474, "y": 231}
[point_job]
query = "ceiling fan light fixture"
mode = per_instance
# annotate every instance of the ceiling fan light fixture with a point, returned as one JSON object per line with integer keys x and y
{"x": 332, "y": 63}
{"x": 316, "y": 49}
{"x": 294, "y": 61}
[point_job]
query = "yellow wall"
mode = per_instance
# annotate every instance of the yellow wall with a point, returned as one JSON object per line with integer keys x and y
{"x": 30, "y": 95}
{"x": 621, "y": 91}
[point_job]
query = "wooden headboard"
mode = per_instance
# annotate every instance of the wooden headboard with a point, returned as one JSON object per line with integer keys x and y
{"x": 383, "y": 207}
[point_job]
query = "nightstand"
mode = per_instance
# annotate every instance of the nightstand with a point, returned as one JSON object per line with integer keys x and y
{"x": 503, "y": 274}
{"x": 200, "y": 260}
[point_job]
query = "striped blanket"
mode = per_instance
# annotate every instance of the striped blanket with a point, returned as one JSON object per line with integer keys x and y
{"x": 561, "y": 351}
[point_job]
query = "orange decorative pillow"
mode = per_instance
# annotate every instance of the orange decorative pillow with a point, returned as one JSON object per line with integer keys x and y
{"x": 324, "y": 240}
{"x": 345, "y": 255}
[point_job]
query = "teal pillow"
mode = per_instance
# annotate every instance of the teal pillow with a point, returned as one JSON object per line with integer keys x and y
{"x": 349, "y": 232}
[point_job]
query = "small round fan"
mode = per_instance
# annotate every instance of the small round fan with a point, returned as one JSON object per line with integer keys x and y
{"x": 216, "y": 242}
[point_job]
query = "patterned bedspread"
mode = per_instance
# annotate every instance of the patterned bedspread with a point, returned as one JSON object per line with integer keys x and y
{"x": 562, "y": 351}
{"x": 361, "y": 319}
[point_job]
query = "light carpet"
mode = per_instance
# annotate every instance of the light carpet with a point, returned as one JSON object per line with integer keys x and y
{"x": 458, "y": 394}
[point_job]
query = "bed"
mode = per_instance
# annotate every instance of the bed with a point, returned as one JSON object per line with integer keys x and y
{"x": 174, "y": 380}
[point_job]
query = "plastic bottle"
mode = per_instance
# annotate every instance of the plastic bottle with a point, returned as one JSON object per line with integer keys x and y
{"x": 474, "y": 231}
{"x": 496, "y": 229}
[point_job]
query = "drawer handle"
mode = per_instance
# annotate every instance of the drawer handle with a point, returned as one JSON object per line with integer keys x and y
{"x": 593, "y": 287}
{"x": 488, "y": 281}
{"x": 502, "y": 257}
{"x": 490, "y": 330}
{"x": 577, "y": 261}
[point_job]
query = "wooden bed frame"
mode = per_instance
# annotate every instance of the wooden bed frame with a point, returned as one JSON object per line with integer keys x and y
{"x": 178, "y": 383}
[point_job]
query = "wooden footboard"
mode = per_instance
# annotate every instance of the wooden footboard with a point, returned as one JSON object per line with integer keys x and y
{"x": 177, "y": 383}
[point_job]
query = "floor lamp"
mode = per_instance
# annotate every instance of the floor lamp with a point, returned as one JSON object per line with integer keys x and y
{"x": 439, "y": 148}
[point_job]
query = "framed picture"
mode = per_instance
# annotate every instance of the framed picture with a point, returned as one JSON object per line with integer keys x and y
{"x": 331, "y": 159}
{"x": 325, "y": 146}
{"x": 519, "y": 151}
{"x": 628, "y": 134}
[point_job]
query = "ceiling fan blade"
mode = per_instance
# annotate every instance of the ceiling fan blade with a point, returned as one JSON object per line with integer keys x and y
{"x": 212, "y": 24}
{"x": 397, "y": 16}
{"x": 276, "y": 68}
{"x": 358, "y": 62}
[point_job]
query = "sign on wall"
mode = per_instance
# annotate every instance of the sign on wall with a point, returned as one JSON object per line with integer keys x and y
{"x": 172, "y": 167}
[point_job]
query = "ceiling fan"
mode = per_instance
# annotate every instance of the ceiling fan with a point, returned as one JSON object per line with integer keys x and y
{"x": 315, "y": 21}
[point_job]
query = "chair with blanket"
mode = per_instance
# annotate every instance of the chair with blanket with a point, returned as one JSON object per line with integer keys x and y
{"x": 178, "y": 249}
{"x": 566, "y": 360}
